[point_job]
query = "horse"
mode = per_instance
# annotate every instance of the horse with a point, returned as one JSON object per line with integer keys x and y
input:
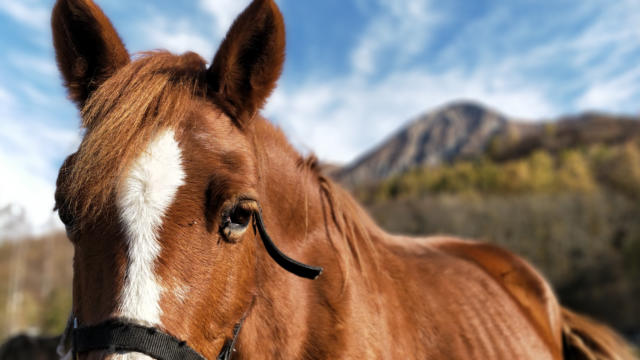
{"x": 186, "y": 209}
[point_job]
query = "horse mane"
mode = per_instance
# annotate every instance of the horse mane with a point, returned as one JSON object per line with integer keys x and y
{"x": 120, "y": 119}
{"x": 585, "y": 338}
{"x": 351, "y": 221}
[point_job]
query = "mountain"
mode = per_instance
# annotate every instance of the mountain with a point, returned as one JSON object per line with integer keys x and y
{"x": 461, "y": 129}
{"x": 467, "y": 130}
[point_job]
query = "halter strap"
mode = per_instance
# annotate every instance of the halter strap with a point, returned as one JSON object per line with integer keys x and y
{"x": 117, "y": 335}
{"x": 230, "y": 346}
{"x": 287, "y": 263}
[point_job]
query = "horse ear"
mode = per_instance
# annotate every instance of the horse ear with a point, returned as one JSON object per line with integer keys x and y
{"x": 249, "y": 61}
{"x": 88, "y": 48}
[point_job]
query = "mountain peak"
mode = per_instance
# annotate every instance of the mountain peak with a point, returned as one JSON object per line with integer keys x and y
{"x": 469, "y": 106}
{"x": 455, "y": 130}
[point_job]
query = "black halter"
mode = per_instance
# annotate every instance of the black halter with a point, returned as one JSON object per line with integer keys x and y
{"x": 118, "y": 335}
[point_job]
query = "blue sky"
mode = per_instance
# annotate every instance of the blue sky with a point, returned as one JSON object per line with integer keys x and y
{"x": 356, "y": 69}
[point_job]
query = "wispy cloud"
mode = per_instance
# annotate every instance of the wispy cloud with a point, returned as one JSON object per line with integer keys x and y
{"x": 589, "y": 45}
{"x": 43, "y": 65}
{"x": 175, "y": 35}
{"x": 610, "y": 60}
{"x": 618, "y": 92}
{"x": 398, "y": 31}
{"x": 223, "y": 13}
{"x": 536, "y": 66}
{"x": 31, "y": 13}
{"x": 30, "y": 152}
{"x": 340, "y": 119}
{"x": 36, "y": 96}
{"x": 6, "y": 97}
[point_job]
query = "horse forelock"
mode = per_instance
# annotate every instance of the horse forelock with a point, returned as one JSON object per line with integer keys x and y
{"x": 150, "y": 95}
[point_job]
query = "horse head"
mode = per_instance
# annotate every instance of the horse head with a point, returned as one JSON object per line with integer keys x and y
{"x": 163, "y": 200}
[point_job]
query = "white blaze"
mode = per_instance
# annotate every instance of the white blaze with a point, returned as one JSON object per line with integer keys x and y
{"x": 142, "y": 200}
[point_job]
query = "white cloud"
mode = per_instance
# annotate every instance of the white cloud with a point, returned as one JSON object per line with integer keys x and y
{"x": 401, "y": 29}
{"x": 27, "y": 12}
{"x": 35, "y": 95}
{"x": 43, "y": 65}
{"x": 596, "y": 53}
{"x": 21, "y": 188}
{"x": 179, "y": 35}
{"x": 340, "y": 119}
{"x": 6, "y": 98}
{"x": 613, "y": 83}
{"x": 175, "y": 35}
{"x": 223, "y": 13}
{"x": 615, "y": 93}
{"x": 29, "y": 152}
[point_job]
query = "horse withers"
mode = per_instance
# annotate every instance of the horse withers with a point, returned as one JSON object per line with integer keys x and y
{"x": 180, "y": 191}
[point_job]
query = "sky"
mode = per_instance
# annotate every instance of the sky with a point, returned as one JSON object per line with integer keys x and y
{"x": 356, "y": 70}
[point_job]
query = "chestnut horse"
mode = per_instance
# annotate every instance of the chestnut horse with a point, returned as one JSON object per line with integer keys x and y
{"x": 178, "y": 187}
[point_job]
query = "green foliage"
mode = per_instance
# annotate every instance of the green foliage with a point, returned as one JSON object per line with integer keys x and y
{"x": 621, "y": 169}
{"x": 58, "y": 305}
{"x": 574, "y": 173}
{"x": 574, "y": 213}
{"x": 542, "y": 169}
{"x": 586, "y": 244}
{"x": 35, "y": 285}
{"x": 587, "y": 170}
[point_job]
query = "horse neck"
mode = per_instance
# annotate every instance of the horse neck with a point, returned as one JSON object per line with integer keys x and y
{"x": 310, "y": 220}
{"x": 306, "y": 207}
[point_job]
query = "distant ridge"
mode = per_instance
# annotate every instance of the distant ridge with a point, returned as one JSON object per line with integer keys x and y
{"x": 460, "y": 129}
{"x": 467, "y": 130}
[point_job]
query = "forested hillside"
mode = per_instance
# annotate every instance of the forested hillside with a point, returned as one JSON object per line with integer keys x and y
{"x": 35, "y": 284}
{"x": 574, "y": 212}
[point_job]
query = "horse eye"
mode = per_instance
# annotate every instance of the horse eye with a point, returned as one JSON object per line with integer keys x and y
{"x": 236, "y": 221}
{"x": 66, "y": 218}
{"x": 240, "y": 216}
{"x": 65, "y": 215}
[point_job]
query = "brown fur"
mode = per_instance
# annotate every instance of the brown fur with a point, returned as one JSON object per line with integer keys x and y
{"x": 380, "y": 296}
{"x": 149, "y": 94}
{"x": 249, "y": 61}
{"x": 88, "y": 49}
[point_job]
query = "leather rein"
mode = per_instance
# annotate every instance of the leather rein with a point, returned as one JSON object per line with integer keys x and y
{"x": 117, "y": 335}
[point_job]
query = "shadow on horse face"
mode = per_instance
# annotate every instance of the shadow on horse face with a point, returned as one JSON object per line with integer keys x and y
{"x": 160, "y": 198}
